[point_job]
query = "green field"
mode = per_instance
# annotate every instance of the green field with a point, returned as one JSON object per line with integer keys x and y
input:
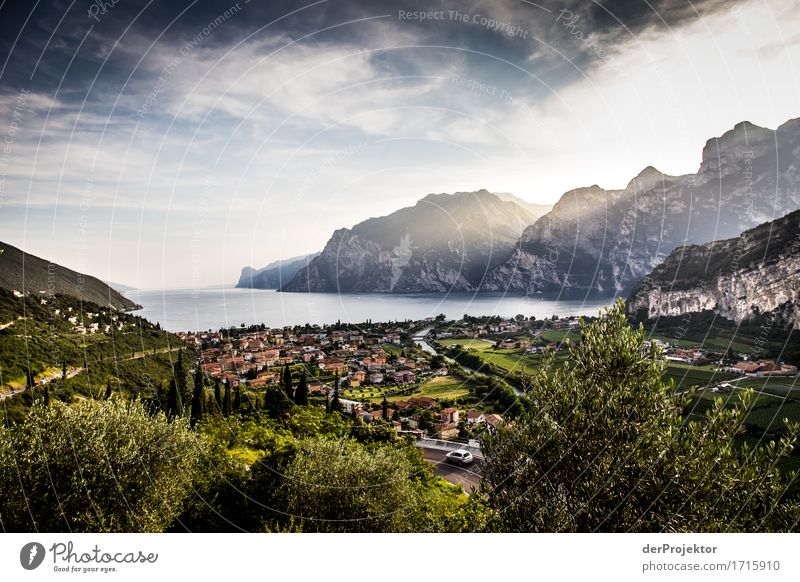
{"x": 438, "y": 387}
{"x": 392, "y": 349}
{"x": 511, "y": 360}
{"x": 687, "y": 375}
{"x": 468, "y": 343}
{"x": 768, "y": 409}
{"x": 558, "y": 336}
{"x": 779, "y": 386}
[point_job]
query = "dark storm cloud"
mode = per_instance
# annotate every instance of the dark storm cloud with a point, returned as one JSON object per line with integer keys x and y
{"x": 610, "y": 16}
{"x": 44, "y": 39}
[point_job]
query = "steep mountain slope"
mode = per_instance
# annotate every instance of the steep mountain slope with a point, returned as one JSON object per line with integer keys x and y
{"x": 446, "y": 242}
{"x": 274, "y": 275}
{"x": 27, "y": 273}
{"x": 536, "y": 210}
{"x": 605, "y": 241}
{"x": 756, "y": 273}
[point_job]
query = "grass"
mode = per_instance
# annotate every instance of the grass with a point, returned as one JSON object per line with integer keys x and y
{"x": 779, "y": 386}
{"x": 770, "y": 419}
{"x": 767, "y": 414}
{"x": 511, "y": 360}
{"x": 438, "y": 387}
{"x": 392, "y": 349}
{"x": 468, "y": 343}
{"x": 686, "y": 375}
{"x": 719, "y": 342}
{"x": 558, "y": 336}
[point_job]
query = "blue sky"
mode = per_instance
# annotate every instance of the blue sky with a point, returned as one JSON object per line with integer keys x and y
{"x": 168, "y": 144}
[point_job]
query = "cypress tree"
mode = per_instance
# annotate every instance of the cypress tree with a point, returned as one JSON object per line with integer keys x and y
{"x": 226, "y": 400}
{"x": 335, "y": 404}
{"x": 301, "y": 394}
{"x": 385, "y": 409}
{"x": 63, "y": 372}
{"x": 217, "y": 396}
{"x": 237, "y": 399}
{"x": 108, "y": 389}
{"x": 197, "y": 398}
{"x": 180, "y": 374}
{"x": 287, "y": 382}
{"x": 47, "y": 395}
{"x": 173, "y": 401}
{"x": 29, "y": 381}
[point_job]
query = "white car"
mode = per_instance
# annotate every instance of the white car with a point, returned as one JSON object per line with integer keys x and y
{"x": 459, "y": 457}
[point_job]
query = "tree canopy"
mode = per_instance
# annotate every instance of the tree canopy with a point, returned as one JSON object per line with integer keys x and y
{"x": 97, "y": 466}
{"x": 605, "y": 446}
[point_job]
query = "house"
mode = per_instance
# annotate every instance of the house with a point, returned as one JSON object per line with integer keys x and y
{"x": 745, "y": 368}
{"x": 422, "y": 401}
{"x": 493, "y": 421}
{"x": 446, "y": 431}
{"x": 350, "y": 406}
{"x": 449, "y": 415}
{"x": 475, "y": 417}
{"x": 378, "y": 414}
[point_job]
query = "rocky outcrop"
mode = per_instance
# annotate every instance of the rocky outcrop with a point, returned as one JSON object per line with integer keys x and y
{"x": 446, "y": 242}
{"x": 755, "y": 274}
{"x": 274, "y": 275}
{"x": 605, "y": 241}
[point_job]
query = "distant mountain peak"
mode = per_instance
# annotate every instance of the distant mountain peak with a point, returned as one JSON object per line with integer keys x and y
{"x": 605, "y": 241}
{"x": 445, "y": 242}
{"x": 646, "y": 179}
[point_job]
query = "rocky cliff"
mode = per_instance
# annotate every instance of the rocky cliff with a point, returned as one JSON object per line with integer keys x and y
{"x": 756, "y": 273}
{"x": 275, "y": 275}
{"x": 605, "y": 241}
{"x": 446, "y": 242}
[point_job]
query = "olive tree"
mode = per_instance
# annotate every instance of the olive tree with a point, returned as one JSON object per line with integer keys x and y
{"x": 605, "y": 446}
{"x": 340, "y": 485}
{"x": 98, "y": 466}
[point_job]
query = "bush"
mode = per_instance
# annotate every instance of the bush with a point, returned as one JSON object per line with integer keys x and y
{"x": 96, "y": 467}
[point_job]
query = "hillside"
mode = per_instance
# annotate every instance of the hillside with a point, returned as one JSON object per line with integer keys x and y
{"x": 274, "y": 275}
{"x": 446, "y": 242}
{"x": 27, "y": 273}
{"x": 605, "y": 241}
{"x": 96, "y": 344}
{"x": 754, "y": 274}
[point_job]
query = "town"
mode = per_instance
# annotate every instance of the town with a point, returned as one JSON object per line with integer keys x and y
{"x": 428, "y": 378}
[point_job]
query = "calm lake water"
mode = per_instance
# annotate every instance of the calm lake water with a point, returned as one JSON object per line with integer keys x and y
{"x": 216, "y": 307}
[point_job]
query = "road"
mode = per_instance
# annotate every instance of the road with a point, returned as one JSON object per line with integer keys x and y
{"x": 469, "y": 477}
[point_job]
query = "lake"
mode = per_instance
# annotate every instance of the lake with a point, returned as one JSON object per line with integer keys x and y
{"x": 216, "y": 307}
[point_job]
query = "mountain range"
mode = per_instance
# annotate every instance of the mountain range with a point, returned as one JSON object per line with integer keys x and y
{"x": 27, "y": 273}
{"x": 445, "y": 242}
{"x": 592, "y": 241}
{"x": 754, "y": 274}
{"x": 605, "y": 241}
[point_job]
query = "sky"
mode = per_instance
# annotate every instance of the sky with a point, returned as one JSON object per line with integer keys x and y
{"x": 168, "y": 144}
